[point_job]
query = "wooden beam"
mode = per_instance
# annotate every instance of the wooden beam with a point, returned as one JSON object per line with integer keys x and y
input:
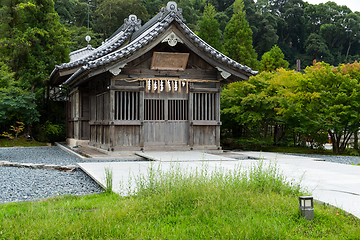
{"x": 116, "y": 123}
{"x": 205, "y": 123}
{"x": 209, "y": 90}
{"x": 127, "y": 88}
{"x": 187, "y": 74}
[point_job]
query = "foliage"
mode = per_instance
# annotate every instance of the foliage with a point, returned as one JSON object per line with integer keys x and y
{"x": 209, "y": 28}
{"x": 49, "y": 132}
{"x": 252, "y": 104}
{"x": 33, "y": 41}
{"x": 324, "y": 100}
{"x": 334, "y": 104}
{"x": 78, "y": 34}
{"x": 15, "y": 102}
{"x": 254, "y": 203}
{"x": 238, "y": 43}
{"x": 17, "y": 129}
{"x": 110, "y": 14}
{"x": 273, "y": 60}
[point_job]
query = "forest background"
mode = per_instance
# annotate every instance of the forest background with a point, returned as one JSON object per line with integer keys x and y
{"x": 35, "y": 35}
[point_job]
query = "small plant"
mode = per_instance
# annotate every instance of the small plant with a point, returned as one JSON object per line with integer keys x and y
{"x": 8, "y": 135}
{"x": 108, "y": 180}
{"x": 17, "y": 129}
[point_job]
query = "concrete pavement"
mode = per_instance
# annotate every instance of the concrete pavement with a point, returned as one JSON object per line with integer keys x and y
{"x": 333, "y": 183}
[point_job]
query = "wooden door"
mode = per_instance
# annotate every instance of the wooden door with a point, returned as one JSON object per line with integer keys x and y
{"x": 166, "y": 119}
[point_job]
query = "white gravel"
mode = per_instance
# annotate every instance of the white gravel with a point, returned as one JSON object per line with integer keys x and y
{"x": 23, "y": 184}
{"x": 332, "y": 158}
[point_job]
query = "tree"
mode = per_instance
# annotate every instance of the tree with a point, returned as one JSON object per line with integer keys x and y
{"x": 209, "y": 28}
{"x": 316, "y": 47}
{"x": 33, "y": 41}
{"x": 251, "y": 105}
{"x": 238, "y": 38}
{"x": 352, "y": 26}
{"x": 325, "y": 100}
{"x": 16, "y": 104}
{"x": 78, "y": 34}
{"x": 110, "y": 14}
{"x": 273, "y": 60}
{"x": 73, "y": 12}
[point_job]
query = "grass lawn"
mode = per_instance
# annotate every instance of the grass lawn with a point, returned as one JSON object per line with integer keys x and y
{"x": 20, "y": 142}
{"x": 254, "y": 204}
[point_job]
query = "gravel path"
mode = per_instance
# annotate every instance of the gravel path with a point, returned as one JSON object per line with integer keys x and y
{"x": 331, "y": 158}
{"x": 23, "y": 184}
{"x": 20, "y": 184}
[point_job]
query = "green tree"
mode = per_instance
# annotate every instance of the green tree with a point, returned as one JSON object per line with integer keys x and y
{"x": 273, "y": 60}
{"x": 74, "y": 12}
{"x": 16, "y": 104}
{"x": 325, "y": 100}
{"x": 209, "y": 28}
{"x": 110, "y": 14}
{"x": 352, "y": 25}
{"x": 251, "y": 105}
{"x": 238, "y": 38}
{"x": 33, "y": 41}
{"x": 78, "y": 34}
{"x": 316, "y": 47}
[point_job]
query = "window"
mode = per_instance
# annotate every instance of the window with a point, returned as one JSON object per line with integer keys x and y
{"x": 178, "y": 109}
{"x": 126, "y": 105}
{"x": 154, "y": 109}
{"x": 204, "y": 106}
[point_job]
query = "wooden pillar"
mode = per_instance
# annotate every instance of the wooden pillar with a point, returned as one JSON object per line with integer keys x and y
{"x": 79, "y": 122}
{"x": 112, "y": 116}
{"x": 217, "y": 116}
{"x": 141, "y": 114}
{"x": 191, "y": 128}
{"x": 67, "y": 115}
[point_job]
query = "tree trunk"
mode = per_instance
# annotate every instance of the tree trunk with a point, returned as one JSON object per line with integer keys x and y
{"x": 247, "y": 130}
{"x": 348, "y": 50}
{"x": 335, "y": 143}
{"x": 356, "y": 140}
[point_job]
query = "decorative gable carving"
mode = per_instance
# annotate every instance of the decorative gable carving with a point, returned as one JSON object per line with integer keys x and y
{"x": 172, "y": 39}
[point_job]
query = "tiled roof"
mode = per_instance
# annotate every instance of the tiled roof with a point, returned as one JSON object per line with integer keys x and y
{"x": 107, "y": 53}
{"x": 115, "y": 41}
{"x": 81, "y": 53}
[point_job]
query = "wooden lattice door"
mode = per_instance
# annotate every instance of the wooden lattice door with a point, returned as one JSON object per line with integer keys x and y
{"x": 166, "y": 119}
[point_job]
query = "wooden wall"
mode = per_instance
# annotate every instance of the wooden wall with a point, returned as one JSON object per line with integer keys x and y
{"x": 78, "y": 114}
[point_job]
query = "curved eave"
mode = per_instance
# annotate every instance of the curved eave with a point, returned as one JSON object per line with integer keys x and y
{"x": 107, "y": 47}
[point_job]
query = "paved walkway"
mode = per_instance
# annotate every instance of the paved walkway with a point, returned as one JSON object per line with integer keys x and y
{"x": 183, "y": 156}
{"x": 333, "y": 183}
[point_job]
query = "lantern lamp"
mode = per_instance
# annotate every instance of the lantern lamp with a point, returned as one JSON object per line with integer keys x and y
{"x": 306, "y": 205}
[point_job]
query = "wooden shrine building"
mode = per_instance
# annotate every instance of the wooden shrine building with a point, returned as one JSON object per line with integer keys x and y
{"x": 150, "y": 87}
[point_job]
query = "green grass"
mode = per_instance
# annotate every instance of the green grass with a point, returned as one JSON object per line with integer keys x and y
{"x": 256, "y": 203}
{"x": 20, "y": 142}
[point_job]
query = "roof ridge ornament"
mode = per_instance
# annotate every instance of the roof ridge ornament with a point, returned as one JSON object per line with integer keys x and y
{"x": 134, "y": 21}
{"x": 172, "y": 9}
